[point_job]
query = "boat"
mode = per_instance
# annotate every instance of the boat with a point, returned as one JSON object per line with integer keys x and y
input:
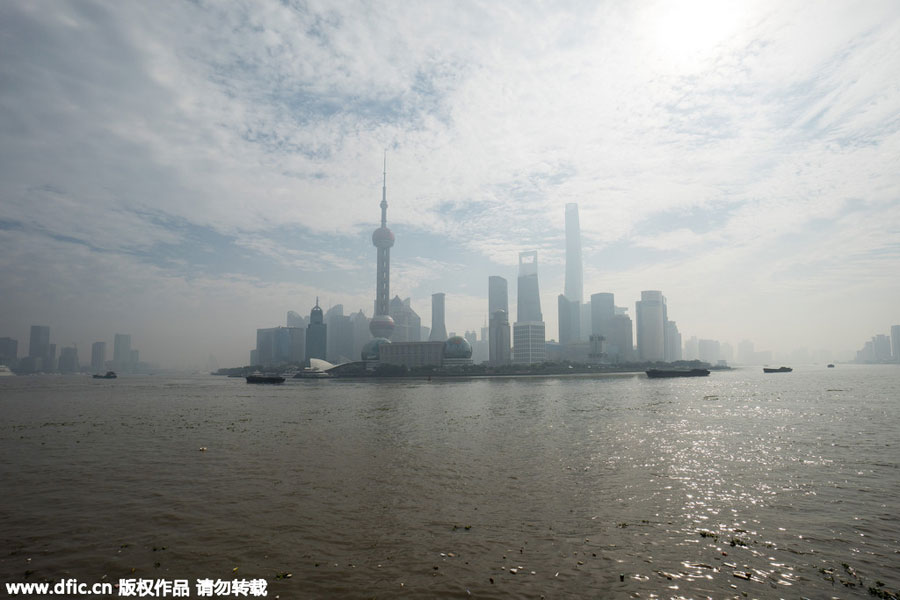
{"x": 5, "y": 371}
{"x": 830, "y": 365}
{"x": 778, "y": 370}
{"x": 656, "y": 373}
{"x": 109, "y": 375}
{"x": 260, "y": 378}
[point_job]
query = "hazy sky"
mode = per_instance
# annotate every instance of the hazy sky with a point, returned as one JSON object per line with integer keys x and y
{"x": 189, "y": 171}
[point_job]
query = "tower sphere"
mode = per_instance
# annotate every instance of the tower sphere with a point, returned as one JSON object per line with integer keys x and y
{"x": 457, "y": 347}
{"x": 381, "y": 326}
{"x": 383, "y": 238}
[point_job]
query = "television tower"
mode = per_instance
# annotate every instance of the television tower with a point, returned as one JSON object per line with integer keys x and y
{"x": 382, "y": 325}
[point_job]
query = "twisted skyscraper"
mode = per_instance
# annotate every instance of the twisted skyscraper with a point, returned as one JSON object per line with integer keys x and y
{"x": 382, "y": 325}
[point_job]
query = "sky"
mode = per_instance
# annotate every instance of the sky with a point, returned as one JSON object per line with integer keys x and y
{"x": 188, "y": 172}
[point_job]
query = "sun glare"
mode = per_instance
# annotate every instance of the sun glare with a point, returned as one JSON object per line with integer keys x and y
{"x": 686, "y": 33}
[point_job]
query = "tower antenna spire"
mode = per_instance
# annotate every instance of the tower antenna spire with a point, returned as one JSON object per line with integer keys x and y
{"x": 384, "y": 194}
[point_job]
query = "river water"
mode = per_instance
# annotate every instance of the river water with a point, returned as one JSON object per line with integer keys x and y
{"x": 738, "y": 485}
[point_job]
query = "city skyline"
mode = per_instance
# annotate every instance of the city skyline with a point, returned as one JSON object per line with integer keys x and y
{"x": 191, "y": 187}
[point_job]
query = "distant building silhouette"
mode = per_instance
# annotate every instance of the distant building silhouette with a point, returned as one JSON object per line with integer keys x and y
{"x": 98, "y": 356}
{"x": 651, "y": 315}
{"x": 316, "y": 334}
{"x": 41, "y": 353}
{"x": 528, "y": 301}
{"x": 673, "y": 342}
{"x": 68, "y": 360}
{"x": 296, "y": 320}
{"x": 122, "y": 353}
{"x": 569, "y": 303}
{"x": 895, "y": 343}
{"x": 339, "y": 343}
{"x": 279, "y": 345}
{"x": 498, "y": 295}
{"x": 619, "y": 345}
{"x": 529, "y": 334}
{"x": 361, "y": 334}
{"x": 382, "y": 325}
{"x": 407, "y": 323}
{"x": 9, "y": 352}
{"x": 438, "y": 327}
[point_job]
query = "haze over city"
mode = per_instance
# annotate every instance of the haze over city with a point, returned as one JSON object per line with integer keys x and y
{"x": 189, "y": 173}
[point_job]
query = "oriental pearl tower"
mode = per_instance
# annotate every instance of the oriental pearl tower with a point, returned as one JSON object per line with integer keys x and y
{"x": 382, "y": 325}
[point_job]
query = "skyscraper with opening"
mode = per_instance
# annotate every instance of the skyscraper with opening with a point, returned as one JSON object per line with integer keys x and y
{"x": 529, "y": 334}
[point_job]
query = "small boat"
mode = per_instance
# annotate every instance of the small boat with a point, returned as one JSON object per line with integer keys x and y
{"x": 778, "y": 370}
{"x": 5, "y": 371}
{"x": 109, "y": 375}
{"x": 655, "y": 373}
{"x": 260, "y": 378}
{"x": 830, "y": 365}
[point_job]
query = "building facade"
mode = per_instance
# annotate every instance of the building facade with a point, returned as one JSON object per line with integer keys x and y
{"x": 529, "y": 342}
{"x": 438, "y": 326}
{"x": 317, "y": 334}
{"x": 651, "y": 315}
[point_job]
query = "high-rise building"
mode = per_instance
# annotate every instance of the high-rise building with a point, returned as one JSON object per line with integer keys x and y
{"x": 529, "y": 334}
{"x": 316, "y": 334}
{"x": 882, "y": 347}
{"x": 603, "y": 309}
{"x": 382, "y": 325}
{"x": 673, "y": 342}
{"x": 68, "y": 360}
{"x": 651, "y": 315}
{"x": 279, "y": 345}
{"x": 569, "y": 312}
{"x": 895, "y": 343}
{"x": 619, "y": 344}
{"x": 569, "y": 304}
{"x": 98, "y": 356}
{"x": 529, "y": 342}
{"x": 498, "y": 338}
{"x": 438, "y": 327}
{"x": 574, "y": 271}
{"x": 122, "y": 352}
{"x": 296, "y": 320}
{"x": 39, "y": 344}
{"x": 9, "y": 352}
{"x": 339, "y": 342}
{"x": 528, "y": 301}
{"x": 709, "y": 351}
{"x": 361, "y": 334}
{"x": 407, "y": 323}
{"x": 498, "y": 297}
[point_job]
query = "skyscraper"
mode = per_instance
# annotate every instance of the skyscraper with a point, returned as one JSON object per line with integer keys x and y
{"x": 68, "y": 360}
{"x": 569, "y": 304}
{"x": 39, "y": 342}
{"x": 603, "y": 309}
{"x": 122, "y": 352}
{"x": 574, "y": 271}
{"x": 438, "y": 327}
{"x": 9, "y": 352}
{"x": 651, "y": 315}
{"x": 673, "y": 342}
{"x": 528, "y": 301}
{"x": 895, "y": 343}
{"x": 316, "y": 334}
{"x": 382, "y": 325}
{"x": 498, "y": 338}
{"x": 98, "y": 356}
{"x": 498, "y": 297}
{"x": 529, "y": 334}
{"x": 407, "y": 323}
